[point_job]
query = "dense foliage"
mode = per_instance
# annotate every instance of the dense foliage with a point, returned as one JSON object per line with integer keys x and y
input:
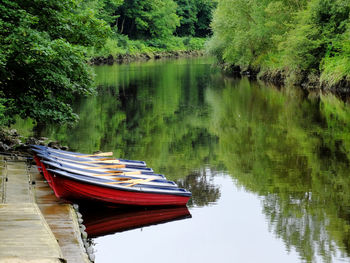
{"x": 148, "y": 19}
{"x": 42, "y": 62}
{"x": 292, "y": 36}
{"x": 195, "y": 16}
{"x": 144, "y": 19}
{"x": 148, "y": 26}
{"x": 44, "y": 46}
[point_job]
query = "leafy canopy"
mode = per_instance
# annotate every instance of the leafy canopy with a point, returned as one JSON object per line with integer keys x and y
{"x": 293, "y": 36}
{"x": 43, "y": 62}
{"x": 147, "y": 19}
{"x": 195, "y": 17}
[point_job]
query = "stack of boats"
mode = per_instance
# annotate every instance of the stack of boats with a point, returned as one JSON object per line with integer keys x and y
{"x": 99, "y": 177}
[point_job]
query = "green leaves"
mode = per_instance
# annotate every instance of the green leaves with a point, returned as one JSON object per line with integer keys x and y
{"x": 290, "y": 36}
{"x": 336, "y": 64}
{"x": 43, "y": 47}
{"x": 148, "y": 18}
{"x": 240, "y": 27}
{"x": 195, "y": 17}
{"x": 43, "y": 62}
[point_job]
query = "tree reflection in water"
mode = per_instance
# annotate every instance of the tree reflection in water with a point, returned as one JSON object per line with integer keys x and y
{"x": 203, "y": 191}
{"x": 290, "y": 147}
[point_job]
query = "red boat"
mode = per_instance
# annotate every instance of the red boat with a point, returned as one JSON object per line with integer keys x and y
{"x": 72, "y": 186}
{"x": 108, "y": 221}
{"x": 113, "y": 190}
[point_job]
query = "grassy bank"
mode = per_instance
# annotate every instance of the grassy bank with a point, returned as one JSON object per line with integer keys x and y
{"x": 121, "y": 48}
{"x": 291, "y": 42}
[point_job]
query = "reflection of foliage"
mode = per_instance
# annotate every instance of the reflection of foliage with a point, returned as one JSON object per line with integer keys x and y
{"x": 299, "y": 226}
{"x": 290, "y": 149}
{"x": 147, "y": 112}
{"x": 294, "y": 152}
{"x": 203, "y": 192}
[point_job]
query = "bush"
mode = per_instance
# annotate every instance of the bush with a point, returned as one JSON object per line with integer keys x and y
{"x": 43, "y": 47}
{"x": 121, "y": 44}
{"x": 336, "y": 65}
{"x": 195, "y": 43}
{"x": 294, "y": 37}
{"x": 4, "y": 117}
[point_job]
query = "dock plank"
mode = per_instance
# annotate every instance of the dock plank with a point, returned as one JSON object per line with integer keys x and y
{"x": 61, "y": 218}
{"x": 25, "y": 235}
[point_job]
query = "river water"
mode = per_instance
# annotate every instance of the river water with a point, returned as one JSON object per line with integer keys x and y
{"x": 268, "y": 167}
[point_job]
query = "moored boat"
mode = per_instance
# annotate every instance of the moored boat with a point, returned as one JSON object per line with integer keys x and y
{"x": 92, "y": 157}
{"x": 89, "y": 178}
{"x": 152, "y": 179}
{"x": 90, "y": 160}
{"x": 105, "y": 167}
{"x": 133, "y": 192}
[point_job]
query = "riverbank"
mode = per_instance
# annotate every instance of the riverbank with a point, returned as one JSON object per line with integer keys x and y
{"x": 306, "y": 80}
{"x": 127, "y": 58}
{"x": 303, "y": 79}
{"x": 121, "y": 49}
{"x": 12, "y": 143}
{"x": 305, "y": 44}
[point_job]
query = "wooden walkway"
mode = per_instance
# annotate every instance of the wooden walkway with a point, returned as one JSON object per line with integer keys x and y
{"x": 61, "y": 218}
{"x": 24, "y": 234}
{"x": 34, "y": 225}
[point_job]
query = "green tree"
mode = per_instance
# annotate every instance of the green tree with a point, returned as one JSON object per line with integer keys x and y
{"x": 105, "y": 9}
{"x": 244, "y": 31}
{"x": 317, "y": 34}
{"x": 195, "y": 17}
{"x": 297, "y": 37}
{"x": 187, "y": 11}
{"x": 43, "y": 62}
{"x": 148, "y": 18}
{"x": 336, "y": 65}
{"x": 205, "y": 9}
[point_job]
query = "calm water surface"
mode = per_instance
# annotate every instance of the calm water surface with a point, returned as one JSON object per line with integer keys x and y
{"x": 268, "y": 168}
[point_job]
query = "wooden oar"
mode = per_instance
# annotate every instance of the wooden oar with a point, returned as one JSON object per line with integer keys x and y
{"x": 125, "y": 173}
{"x": 70, "y": 162}
{"x": 138, "y": 181}
{"x": 106, "y": 166}
{"x": 112, "y": 173}
{"x": 75, "y": 161}
{"x": 100, "y": 161}
{"x": 121, "y": 178}
{"x": 133, "y": 182}
{"x": 96, "y": 155}
{"x": 89, "y": 155}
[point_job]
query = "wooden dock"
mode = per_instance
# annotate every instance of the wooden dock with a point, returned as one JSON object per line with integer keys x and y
{"x": 61, "y": 217}
{"x": 34, "y": 225}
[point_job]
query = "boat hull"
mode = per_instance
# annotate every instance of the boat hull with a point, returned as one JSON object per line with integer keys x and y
{"x": 38, "y": 163}
{"x": 68, "y": 188}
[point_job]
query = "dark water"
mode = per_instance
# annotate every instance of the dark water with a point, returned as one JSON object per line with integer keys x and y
{"x": 268, "y": 168}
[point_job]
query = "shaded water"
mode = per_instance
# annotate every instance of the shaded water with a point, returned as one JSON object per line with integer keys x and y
{"x": 268, "y": 168}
